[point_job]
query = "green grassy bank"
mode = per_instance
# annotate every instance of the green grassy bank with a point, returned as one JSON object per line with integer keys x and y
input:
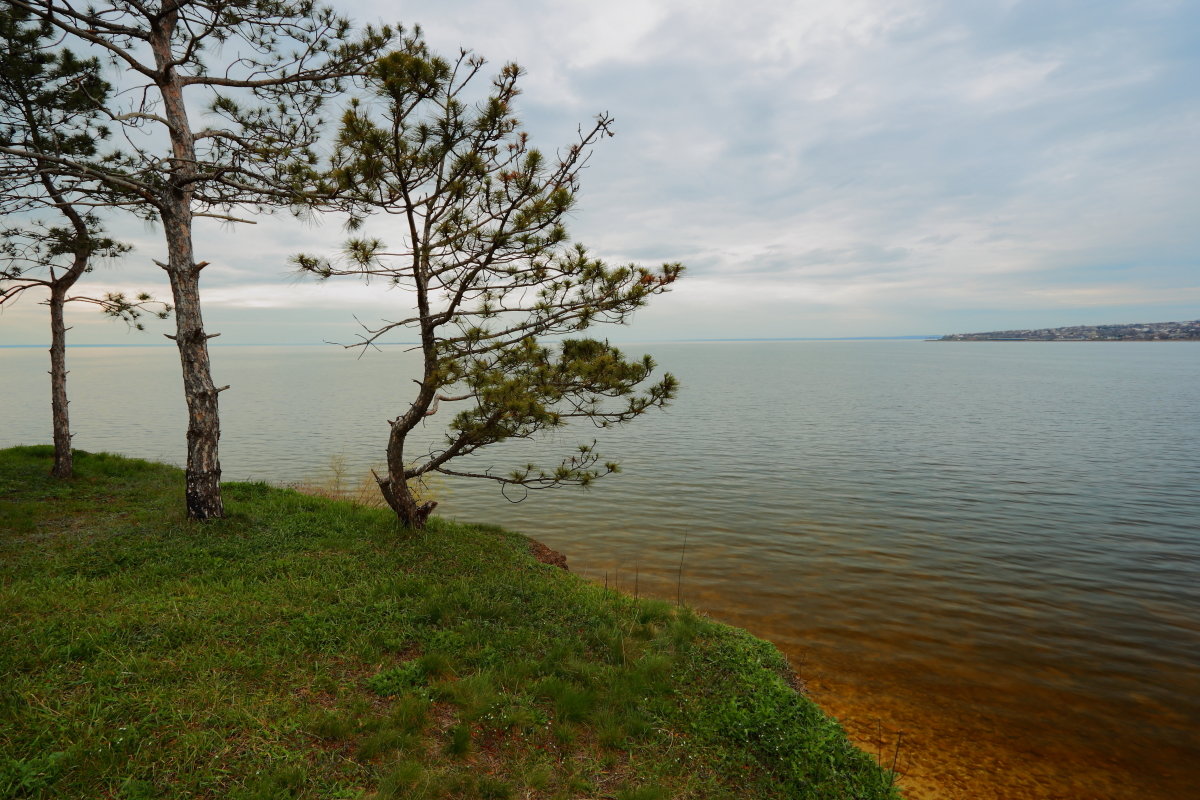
{"x": 306, "y": 648}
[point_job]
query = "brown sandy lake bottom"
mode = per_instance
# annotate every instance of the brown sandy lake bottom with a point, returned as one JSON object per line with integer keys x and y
{"x": 986, "y": 553}
{"x": 955, "y": 734}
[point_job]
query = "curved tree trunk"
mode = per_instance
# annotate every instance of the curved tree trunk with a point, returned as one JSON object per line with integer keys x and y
{"x": 63, "y": 464}
{"x": 394, "y": 486}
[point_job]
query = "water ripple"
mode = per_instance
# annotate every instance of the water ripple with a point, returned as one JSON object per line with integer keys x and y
{"x": 1005, "y": 536}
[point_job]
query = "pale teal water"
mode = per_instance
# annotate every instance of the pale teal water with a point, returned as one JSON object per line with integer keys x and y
{"x": 998, "y": 542}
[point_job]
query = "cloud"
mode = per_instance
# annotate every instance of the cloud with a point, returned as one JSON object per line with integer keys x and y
{"x": 333, "y": 294}
{"x": 854, "y": 166}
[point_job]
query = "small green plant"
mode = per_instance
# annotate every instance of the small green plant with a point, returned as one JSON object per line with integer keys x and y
{"x": 458, "y": 740}
{"x": 474, "y": 695}
{"x": 384, "y": 741}
{"x": 571, "y": 703}
{"x": 279, "y": 783}
{"x": 398, "y": 680}
{"x": 435, "y": 665}
{"x": 410, "y": 712}
{"x": 520, "y": 718}
{"x": 609, "y": 731}
{"x": 332, "y": 726}
{"x": 402, "y": 780}
{"x": 31, "y": 776}
{"x": 647, "y": 792}
{"x": 490, "y": 788}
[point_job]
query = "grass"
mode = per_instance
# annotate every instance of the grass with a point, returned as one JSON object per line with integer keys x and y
{"x": 306, "y": 648}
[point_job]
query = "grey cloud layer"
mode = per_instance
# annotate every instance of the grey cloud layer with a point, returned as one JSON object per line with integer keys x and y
{"x": 853, "y": 167}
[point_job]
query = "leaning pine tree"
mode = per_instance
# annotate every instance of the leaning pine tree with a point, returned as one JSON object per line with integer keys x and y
{"x": 486, "y": 262}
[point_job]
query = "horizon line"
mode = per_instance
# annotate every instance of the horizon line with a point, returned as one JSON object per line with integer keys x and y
{"x": 394, "y": 344}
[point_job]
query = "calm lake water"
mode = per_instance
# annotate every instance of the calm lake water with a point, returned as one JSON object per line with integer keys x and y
{"x": 987, "y": 552}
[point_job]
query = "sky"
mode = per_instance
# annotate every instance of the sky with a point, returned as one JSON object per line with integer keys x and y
{"x": 823, "y": 169}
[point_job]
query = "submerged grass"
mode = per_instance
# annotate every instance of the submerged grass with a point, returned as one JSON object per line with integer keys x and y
{"x": 307, "y": 648}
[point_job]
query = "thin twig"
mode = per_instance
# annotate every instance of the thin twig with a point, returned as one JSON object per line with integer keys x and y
{"x": 896, "y": 756}
{"x": 679, "y": 574}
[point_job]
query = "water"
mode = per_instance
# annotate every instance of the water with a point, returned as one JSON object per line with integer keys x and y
{"x": 987, "y": 552}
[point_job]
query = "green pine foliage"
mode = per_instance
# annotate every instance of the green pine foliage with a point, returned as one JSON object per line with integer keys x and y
{"x": 51, "y": 121}
{"x": 499, "y": 294}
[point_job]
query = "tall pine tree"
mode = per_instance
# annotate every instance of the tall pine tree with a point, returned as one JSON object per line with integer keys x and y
{"x": 49, "y": 109}
{"x": 264, "y": 68}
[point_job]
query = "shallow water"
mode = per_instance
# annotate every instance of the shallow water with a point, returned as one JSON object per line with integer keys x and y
{"x": 991, "y": 548}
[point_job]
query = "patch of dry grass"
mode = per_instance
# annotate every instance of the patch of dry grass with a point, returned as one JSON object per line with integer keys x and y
{"x": 359, "y": 488}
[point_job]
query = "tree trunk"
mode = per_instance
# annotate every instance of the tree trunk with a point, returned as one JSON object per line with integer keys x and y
{"x": 203, "y": 472}
{"x": 395, "y": 486}
{"x": 401, "y": 500}
{"x": 63, "y": 465}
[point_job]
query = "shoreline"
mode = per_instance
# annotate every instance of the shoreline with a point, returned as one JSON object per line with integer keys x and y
{"x": 951, "y": 746}
{"x": 307, "y": 644}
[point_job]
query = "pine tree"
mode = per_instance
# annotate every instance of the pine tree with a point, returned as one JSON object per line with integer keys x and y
{"x": 264, "y": 68}
{"x": 48, "y": 109}
{"x": 488, "y": 266}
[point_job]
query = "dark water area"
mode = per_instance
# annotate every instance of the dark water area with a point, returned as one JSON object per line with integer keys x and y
{"x": 989, "y": 553}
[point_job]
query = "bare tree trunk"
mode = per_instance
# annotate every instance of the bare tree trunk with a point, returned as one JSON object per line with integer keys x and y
{"x": 203, "y": 473}
{"x": 63, "y": 464}
{"x": 395, "y": 486}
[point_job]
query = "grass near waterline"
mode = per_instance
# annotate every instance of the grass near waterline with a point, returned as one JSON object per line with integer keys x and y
{"x": 307, "y": 648}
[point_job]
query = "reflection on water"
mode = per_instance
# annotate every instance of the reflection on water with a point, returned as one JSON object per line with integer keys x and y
{"x": 992, "y": 548}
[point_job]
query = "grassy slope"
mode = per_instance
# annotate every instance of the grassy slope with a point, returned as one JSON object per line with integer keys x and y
{"x": 305, "y": 648}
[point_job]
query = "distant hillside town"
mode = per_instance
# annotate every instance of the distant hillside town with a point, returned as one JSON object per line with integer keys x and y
{"x": 1137, "y": 332}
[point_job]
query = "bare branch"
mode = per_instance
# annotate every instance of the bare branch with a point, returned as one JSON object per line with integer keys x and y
{"x": 225, "y": 217}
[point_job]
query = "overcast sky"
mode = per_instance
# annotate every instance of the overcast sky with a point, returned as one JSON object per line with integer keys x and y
{"x": 848, "y": 168}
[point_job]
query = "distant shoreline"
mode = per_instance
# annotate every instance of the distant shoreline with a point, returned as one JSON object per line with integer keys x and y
{"x": 1074, "y": 341}
{"x": 1188, "y": 331}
